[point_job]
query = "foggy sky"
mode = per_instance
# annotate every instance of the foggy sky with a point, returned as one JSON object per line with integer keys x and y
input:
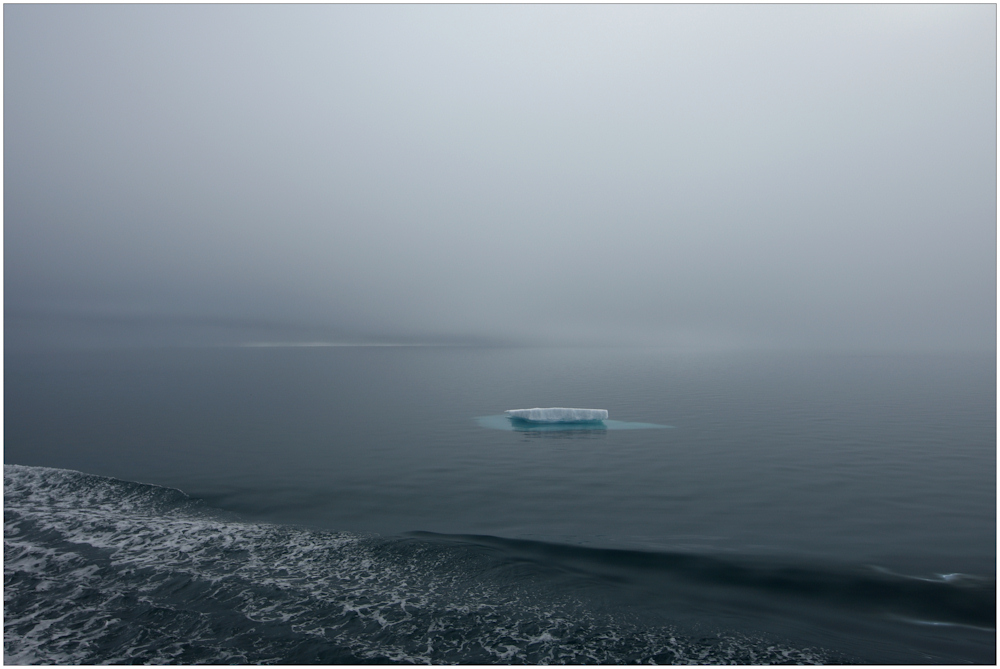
{"x": 777, "y": 176}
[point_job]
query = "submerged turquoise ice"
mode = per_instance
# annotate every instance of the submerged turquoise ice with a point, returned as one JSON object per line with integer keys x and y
{"x": 503, "y": 422}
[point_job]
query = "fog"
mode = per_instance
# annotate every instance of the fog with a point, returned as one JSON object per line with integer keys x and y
{"x": 689, "y": 176}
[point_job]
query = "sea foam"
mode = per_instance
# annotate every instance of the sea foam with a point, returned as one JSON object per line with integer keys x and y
{"x": 102, "y": 571}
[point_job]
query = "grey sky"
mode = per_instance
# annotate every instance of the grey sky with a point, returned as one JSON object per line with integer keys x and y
{"x": 681, "y": 175}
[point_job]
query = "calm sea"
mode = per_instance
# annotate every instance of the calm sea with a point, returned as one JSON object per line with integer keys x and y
{"x": 370, "y": 504}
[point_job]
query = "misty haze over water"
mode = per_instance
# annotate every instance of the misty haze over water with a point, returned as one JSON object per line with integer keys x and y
{"x": 274, "y": 274}
{"x": 683, "y": 176}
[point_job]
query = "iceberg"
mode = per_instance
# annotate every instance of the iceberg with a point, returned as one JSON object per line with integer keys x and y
{"x": 558, "y": 415}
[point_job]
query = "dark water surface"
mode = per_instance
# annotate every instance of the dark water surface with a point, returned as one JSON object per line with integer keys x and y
{"x": 358, "y": 504}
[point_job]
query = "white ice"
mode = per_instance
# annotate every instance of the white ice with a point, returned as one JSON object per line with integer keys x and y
{"x": 558, "y": 415}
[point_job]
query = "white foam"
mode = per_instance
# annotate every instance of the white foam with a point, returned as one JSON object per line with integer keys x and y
{"x": 558, "y": 415}
{"x": 96, "y": 569}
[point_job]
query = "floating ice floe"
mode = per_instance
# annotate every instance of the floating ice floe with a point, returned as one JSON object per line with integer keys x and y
{"x": 558, "y": 415}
